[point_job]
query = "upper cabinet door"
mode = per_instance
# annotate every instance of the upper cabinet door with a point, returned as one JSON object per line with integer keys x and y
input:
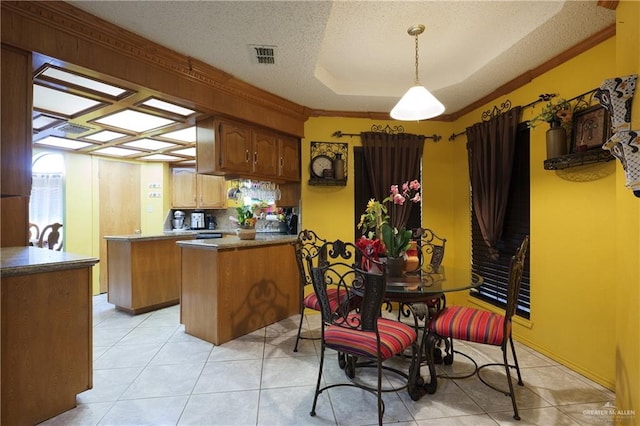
{"x": 265, "y": 153}
{"x": 16, "y": 122}
{"x": 233, "y": 147}
{"x": 289, "y": 164}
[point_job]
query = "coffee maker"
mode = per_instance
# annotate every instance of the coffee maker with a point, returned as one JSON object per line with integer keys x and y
{"x": 291, "y": 219}
{"x": 197, "y": 219}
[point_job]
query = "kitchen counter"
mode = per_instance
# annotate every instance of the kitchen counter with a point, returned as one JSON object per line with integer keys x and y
{"x": 144, "y": 271}
{"x": 231, "y": 287}
{"x": 233, "y": 242}
{"x": 47, "y": 345}
{"x": 32, "y": 260}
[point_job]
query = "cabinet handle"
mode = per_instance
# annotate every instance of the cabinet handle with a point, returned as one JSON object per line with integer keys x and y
{"x": 281, "y": 162}
{"x": 255, "y": 157}
{"x": 246, "y": 155}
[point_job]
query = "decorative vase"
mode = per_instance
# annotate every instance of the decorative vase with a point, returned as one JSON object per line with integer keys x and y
{"x": 413, "y": 262}
{"x": 395, "y": 266}
{"x": 556, "y": 140}
{"x": 246, "y": 232}
{"x": 338, "y": 167}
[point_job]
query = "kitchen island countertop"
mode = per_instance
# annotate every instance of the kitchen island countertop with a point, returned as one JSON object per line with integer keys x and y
{"x": 233, "y": 242}
{"x": 32, "y": 260}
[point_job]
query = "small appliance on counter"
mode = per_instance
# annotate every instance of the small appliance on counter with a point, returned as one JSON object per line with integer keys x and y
{"x": 178, "y": 219}
{"x": 197, "y": 219}
{"x": 211, "y": 222}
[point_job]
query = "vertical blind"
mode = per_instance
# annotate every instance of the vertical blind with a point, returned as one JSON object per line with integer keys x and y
{"x": 516, "y": 227}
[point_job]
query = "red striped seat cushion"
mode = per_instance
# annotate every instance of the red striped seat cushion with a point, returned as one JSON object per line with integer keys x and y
{"x": 311, "y": 300}
{"x": 475, "y": 325}
{"x": 395, "y": 337}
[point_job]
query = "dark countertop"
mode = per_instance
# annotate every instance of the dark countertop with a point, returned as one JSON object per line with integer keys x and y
{"x": 166, "y": 235}
{"x": 32, "y": 260}
{"x": 233, "y": 242}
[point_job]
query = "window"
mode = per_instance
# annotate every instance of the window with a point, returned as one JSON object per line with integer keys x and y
{"x": 47, "y": 191}
{"x": 516, "y": 226}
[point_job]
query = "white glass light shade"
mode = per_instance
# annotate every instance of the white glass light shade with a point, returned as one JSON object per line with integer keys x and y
{"x": 417, "y": 104}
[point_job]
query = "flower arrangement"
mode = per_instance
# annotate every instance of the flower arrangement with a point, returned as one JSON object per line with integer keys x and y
{"x": 280, "y": 214}
{"x": 558, "y": 112}
{"x": 245, "y": 217}
{"x": 391, "y": 230}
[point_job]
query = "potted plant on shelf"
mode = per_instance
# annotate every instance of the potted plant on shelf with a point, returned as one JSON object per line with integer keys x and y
{"x": 559, "y": 116}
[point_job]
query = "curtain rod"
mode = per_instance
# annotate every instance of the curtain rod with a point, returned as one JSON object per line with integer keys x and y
{"x": 543, "y": 97}
{"x": 386, "y": 129}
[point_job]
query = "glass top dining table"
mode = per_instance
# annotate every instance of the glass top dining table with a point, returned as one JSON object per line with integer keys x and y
{"x": 430, "y": 283}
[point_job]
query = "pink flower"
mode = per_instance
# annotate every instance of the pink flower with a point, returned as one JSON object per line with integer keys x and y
{"x": 398, "y": 199}
{"x": 416, "y": 198}
{"x": 394, "y": 189}
{"x": 414, "y": 185}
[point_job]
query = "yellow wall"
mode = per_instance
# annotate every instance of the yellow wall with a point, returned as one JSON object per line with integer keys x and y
{"x": 625, "y": 227}
{"x": 82, "y": 221}
{"x": 572, "y": 321}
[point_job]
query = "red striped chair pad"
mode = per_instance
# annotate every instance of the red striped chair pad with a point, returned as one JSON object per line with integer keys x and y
{"x": 311, "y": 300}
{"x": 474, "y": 325}
{"x": 395, "y": 337}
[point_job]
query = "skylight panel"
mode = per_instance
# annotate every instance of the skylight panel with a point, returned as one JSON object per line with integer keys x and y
{"x": 184, "y": 135}
{"x": 160, "y": 157}
{"x": 186, "y": 151}
{"x": 169, "y": 107}
{"x": 105, "y": 136}
{"x": 88, "y": 83}
{"x": 149, "y": 144}
{"x": 115, "y": 151}
{"x": 47, "y": 99}
{"x": 134, "y": 121}
{"x": 62, "y": 142}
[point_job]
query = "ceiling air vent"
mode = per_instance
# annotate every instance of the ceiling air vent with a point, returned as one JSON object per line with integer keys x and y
{"x": 74, "y": 129}
{"x": 265, "y": 55}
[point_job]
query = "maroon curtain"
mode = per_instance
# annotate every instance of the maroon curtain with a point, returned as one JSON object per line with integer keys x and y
{"x": 392, "y": 159}
{"x": 491, "y": 147}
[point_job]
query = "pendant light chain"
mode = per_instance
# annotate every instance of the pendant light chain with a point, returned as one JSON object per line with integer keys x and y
{"x": 417, "y": 81}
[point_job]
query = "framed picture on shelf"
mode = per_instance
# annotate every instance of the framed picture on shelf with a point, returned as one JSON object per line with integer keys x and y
{"x": 591, "y": 128}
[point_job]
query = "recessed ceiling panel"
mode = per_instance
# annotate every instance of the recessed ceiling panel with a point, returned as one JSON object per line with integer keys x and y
{"x": 105, "y": 136}
{"x": 134, "y": 121}
{"x": 115, "y": 151}
{"x": 149, "y": 144}
{"x": 66, "y": 104}
{"x": 160, "y": 157}
{"x": 62, "y": 143}
{"x": 187, "y": 151}
{"x": 44, "y": 121}
{"x": 169, "y": 107}
{"x": 85, "y": 82}
{"x": 184, "y": 135}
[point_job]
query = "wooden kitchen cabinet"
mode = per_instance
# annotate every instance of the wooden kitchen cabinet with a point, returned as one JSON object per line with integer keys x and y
{"x": 226, "y": 147}
{"x": 289, "y": 158}
{"x": 289, "y": 195}
{"x": 192, "y": 190}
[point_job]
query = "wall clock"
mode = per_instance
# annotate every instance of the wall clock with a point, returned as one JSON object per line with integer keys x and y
{"x": 319, "y": 163}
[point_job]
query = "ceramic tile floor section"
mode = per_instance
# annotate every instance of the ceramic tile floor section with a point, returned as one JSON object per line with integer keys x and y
{"x": 148, "y": 371}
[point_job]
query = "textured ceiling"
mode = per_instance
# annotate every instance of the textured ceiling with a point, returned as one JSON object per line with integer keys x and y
{"x": 357, "y": 55}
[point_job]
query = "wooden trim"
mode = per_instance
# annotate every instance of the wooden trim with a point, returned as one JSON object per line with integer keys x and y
{"x": 64, "y": 32}
{"x": 608, "y": 4}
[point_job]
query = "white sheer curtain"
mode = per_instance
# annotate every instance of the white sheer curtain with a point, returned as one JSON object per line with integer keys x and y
{"x": 47, "y": 199}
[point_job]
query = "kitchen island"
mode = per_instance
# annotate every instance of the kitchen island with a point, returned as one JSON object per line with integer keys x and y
{"x": 144, "y": 270}
{"x": 47, "y": 347}
{"x": 231, "y": 287}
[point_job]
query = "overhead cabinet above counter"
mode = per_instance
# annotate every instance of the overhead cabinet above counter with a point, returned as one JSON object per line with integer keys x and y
{"x": 234, "y": 149}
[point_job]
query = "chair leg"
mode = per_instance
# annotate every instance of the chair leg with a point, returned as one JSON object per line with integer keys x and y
{"x": 317, "y": 393}
{"x": 511, "y": 391}
{"x": 380, "y": 403}
{"x": 295, "y": 349}
{"x": 515, "y": 361}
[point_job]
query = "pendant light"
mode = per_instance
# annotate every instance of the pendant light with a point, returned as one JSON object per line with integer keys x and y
{"x": 418, "y": 103}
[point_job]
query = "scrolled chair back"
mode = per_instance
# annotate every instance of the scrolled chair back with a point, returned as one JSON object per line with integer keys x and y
{"x": 430, "y": 248}
{"x": 337, "y": 265}
{"x": 306, "y": 246}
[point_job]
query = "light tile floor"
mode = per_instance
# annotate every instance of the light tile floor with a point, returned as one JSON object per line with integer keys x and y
{"x": 147, "y": 370}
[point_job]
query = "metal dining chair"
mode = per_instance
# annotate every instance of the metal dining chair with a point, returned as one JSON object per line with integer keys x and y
{"x": 51, "y": 237}
{"x": 356, "y": 328}
{"x": 482, "y": 326}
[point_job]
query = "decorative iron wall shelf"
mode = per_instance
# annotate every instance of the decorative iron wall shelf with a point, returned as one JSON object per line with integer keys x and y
{"x": 578, "y": 159}
{"x": 329, "y": 149}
